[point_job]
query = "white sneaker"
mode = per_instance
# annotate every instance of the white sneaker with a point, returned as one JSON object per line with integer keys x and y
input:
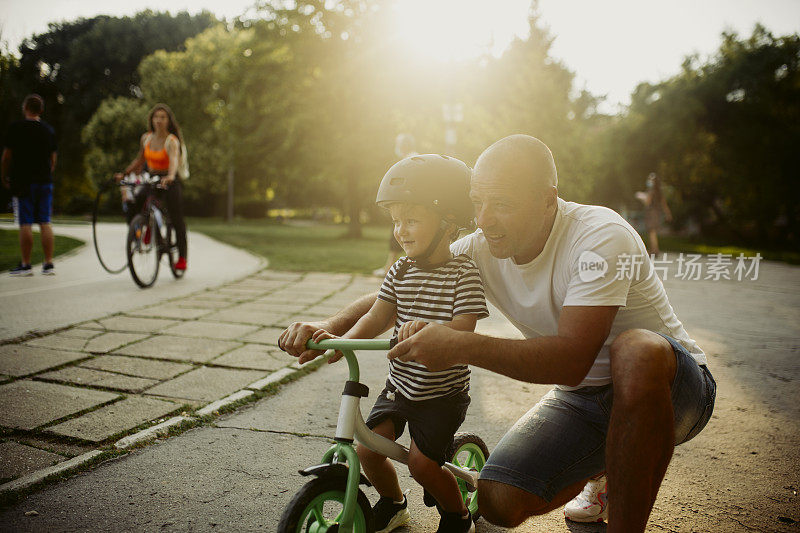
{"x": 591, "y": 505}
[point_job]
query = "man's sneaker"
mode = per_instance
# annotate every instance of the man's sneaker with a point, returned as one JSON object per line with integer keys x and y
{"x": 22, "y": 270}
{"x": 591, "y": 505}
{"x": 455, "y": 523}
{"x": 389, "y": 515}
{"x": 48, "y": 269}
{"x": 180, "y": 264}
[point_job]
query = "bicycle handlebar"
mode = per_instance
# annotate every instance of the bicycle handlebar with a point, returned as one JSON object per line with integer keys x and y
{"x": 352, "y": 344}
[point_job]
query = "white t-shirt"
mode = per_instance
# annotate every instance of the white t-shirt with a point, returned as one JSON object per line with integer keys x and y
{"x": 570, "y": 272}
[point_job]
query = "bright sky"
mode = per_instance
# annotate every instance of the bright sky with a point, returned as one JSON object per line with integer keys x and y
{"x": 611, "y": 45}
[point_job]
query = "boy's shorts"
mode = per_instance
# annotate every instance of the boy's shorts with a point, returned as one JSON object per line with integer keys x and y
{"x": 36, "y": 207}
{"x": 431, "y": 423}
{"x": 562, "y": 439}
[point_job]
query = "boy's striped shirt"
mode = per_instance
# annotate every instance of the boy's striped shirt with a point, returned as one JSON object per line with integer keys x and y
{"x": 435, "y": 295}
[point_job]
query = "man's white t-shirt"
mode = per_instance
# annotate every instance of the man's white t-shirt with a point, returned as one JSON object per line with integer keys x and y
{"x": 592, "y": 257}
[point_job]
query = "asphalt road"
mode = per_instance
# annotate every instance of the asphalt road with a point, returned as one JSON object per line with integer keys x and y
{"x": 81, "y": 290}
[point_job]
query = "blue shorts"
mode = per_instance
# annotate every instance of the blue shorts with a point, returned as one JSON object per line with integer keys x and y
{"x": 562, "y": 439}
{"x": 36, "y": 207}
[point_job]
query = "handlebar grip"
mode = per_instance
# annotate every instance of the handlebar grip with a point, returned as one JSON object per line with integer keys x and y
{"x": 351, "y": 344}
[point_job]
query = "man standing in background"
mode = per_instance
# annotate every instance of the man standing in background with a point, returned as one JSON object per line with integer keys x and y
{"x": 29, "y": 159}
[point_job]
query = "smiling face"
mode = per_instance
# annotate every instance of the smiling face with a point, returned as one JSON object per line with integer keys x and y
{"x": 515, "y": 197}
{"x": 414, "y": 228}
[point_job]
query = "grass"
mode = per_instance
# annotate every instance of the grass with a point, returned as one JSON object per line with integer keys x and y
{"x": 669, "y": 243}
{"x": 9, "y": 248}
{"x": 302, "y": 247}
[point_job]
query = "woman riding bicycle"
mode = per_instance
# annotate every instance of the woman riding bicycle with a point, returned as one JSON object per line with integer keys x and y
{"x": 160, "y": 148}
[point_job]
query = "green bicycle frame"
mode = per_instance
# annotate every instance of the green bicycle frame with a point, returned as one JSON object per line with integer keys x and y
{"x": 351, "y": 425}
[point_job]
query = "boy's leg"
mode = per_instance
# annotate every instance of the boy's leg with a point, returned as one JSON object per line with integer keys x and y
{"x": 26, "y": 242}
{"x": 440, "y": 482}
{"x": 378, "y": 469}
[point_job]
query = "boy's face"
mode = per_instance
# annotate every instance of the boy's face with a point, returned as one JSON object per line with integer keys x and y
{"x": 414, "y": 227}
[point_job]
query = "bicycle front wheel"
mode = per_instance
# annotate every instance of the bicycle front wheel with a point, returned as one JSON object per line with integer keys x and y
{"x": 468, "y": 451}
{"x": 318, "y": 506}
{"x": 171, "y": 249}
{"x": 142, "y": 250}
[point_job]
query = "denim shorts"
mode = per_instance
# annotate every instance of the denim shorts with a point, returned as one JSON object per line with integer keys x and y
{"x": 431, "y": 423}
{"x": 562, "y": 439}
{"x": 35, "y": 207}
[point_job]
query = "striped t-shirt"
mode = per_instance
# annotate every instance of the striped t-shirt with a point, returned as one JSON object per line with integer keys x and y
{"x": 436, "y": 295}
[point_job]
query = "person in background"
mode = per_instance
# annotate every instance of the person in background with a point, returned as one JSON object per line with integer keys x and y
{"x": 655, "y": 206}
{"x": 28, "y": 162}
{"x": 161, "y": 149}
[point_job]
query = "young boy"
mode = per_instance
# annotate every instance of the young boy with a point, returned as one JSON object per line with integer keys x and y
{"x": 428, "y": 198}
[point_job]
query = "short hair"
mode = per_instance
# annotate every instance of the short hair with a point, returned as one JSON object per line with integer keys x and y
{"x": 34, "y": 104}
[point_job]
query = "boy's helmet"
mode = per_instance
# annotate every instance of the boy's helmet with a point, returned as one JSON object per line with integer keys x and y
{"x": 435, "y": 181}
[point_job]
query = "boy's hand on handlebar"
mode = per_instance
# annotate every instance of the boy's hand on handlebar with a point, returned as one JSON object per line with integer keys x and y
{"x": 435, "y": 346}
{"x": 409, "y": 328}
{"x": 321, "y": 335}
{"x": 294, "y": 338}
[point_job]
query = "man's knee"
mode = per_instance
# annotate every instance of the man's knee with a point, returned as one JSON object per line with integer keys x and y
{"x": 640, "y": 361}
{"x": 505, "y": 505}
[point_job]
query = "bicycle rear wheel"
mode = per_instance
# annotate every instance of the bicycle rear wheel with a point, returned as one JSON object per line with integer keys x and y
{"x": 142, "y": 250}
{"x": 171, "y": 249}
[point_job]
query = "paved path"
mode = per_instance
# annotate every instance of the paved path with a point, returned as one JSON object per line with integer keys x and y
{"x": 82, "y": 290}
{"x": 238, "y": 471}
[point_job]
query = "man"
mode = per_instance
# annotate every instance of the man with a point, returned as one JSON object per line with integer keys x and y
{"x": 577, "y": 282}
{"x": 28, "y": 162}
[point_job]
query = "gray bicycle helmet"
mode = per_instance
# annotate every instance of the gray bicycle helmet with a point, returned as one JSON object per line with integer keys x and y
{"x": 435, "y": 181}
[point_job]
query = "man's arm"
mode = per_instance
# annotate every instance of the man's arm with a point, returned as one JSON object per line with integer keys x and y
{"x": 293, "y": 339}
{"x": 5, "y": 166}
{"x": 564, "y": 359}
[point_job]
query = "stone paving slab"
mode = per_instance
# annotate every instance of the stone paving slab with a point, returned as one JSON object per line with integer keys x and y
{"x": 115, "y": 418}
{"x": 29, "y": 404}
{"x": 137, "y": 324}
{"x": 210, "y": 330}
{"x": 209, "y": 296}
{"x": 238, "y": 294}
{"x": 270, "y": 307}
{"x": 21, "y": 360}
{"x": 258, "y": 318}
{"x": 135, "y": 366}
{"x": 201, "y": 303}
{"x": 111, "y": 341}
{"x": 257, "y": 284}
{"x": 17, "y": 459}
{"x": 206, "y": 384}
{"x": 98, "y": 378}
{"x": 266, "y": 335}
{"x": 278, "y": 275}
{"x": 81, "y": 333}
{"x": 255, "y": 356}
{"x": 169, "y": 311}
{"x": 58, "y": 341}
{"x": 179, "y": 348}
{"x": 91, "y": 324}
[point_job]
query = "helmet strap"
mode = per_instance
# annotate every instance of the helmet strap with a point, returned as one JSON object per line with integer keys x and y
{"x": 422, "y": 259}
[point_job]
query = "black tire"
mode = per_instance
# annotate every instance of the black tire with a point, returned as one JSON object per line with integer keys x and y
{"x": 468, "y": 451}
{"x": 143, "y": 255}
{"x": 171, "y": 251}
{"x": 325, "y": 495}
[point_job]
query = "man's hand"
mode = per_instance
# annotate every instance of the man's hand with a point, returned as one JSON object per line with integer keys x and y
{"x": 321, "y": 335}
{"x": 294, "y": 338}
{"x": 409, "y": 328}
{"x": 435, "y": 346}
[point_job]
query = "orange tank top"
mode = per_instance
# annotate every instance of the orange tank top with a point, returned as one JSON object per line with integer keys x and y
{"x": 157, "y": 160}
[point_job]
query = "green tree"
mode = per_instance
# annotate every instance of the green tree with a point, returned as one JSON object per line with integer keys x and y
{"x": 77, "y": 64}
